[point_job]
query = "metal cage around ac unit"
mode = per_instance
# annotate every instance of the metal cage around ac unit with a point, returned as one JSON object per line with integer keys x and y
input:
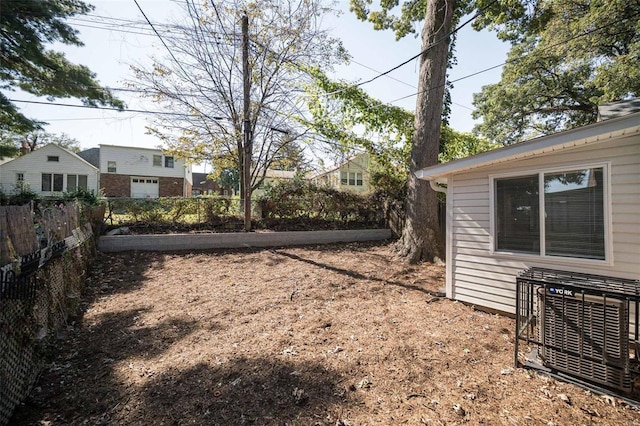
{"x": 581, "y": 325}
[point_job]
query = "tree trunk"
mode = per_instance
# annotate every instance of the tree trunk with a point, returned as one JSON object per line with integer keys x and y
{"x": 421, "y": 239}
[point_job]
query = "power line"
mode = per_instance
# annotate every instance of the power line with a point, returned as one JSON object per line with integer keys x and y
{"x": 108, "y": 108}
{"x": 509, "y": 61}
{"x": 413, "y": 86}
{"x": 429, "y": 47}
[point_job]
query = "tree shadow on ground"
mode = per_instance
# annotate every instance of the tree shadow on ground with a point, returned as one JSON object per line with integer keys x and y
{"x": 81, "y": 383}
{"x": 262, "y": 391}
{"x": 357, "y": 275}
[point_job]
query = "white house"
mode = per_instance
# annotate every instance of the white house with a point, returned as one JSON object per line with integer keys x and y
{"x": 352, "y": 175}
{"x": 568, "y": 201}
{"x": 142, "y": 173}
{"x": 49, "y": 171}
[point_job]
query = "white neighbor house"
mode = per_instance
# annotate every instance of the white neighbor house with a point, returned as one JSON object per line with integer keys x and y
{"x": 142, "y": 173}
{"x": 49, "y": 171}
{"x": 587, "y": 183}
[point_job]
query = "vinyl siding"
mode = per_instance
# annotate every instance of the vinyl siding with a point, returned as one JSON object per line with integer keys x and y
{"x": 481, "y": 278}
{"x": 139, "y": 162}
{"x": 34, "y": 164}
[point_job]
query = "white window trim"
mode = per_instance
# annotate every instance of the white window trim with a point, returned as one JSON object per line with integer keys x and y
{"x": 607, "y": 214}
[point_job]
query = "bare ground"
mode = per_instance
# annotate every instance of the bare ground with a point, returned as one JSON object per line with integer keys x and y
{"x": 327, "y": 335}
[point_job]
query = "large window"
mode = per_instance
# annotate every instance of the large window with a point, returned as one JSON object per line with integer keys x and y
{"x": 52, "y": 182}
{"x": 573, "y": 223}
{"x": 76, "y": 182}
{"x": 517, "y": 214}
{"x": 351, "y": 178}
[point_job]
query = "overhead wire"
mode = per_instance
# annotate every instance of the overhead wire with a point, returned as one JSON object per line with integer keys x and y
{"x": 108, "y": 108}
{"x": 380, "y": 74}
{"x": 424, "y": 50}
{"x": 520, "y": 58}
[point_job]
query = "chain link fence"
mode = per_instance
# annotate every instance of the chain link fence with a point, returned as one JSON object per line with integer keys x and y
{"x": 44, "y": 254}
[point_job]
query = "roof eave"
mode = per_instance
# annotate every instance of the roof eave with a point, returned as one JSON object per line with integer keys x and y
{"x": 594, "y": 133}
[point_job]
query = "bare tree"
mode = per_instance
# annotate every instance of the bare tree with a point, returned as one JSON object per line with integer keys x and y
{"x": 201, "y": 80}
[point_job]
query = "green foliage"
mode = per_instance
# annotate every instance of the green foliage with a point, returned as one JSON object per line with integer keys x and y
{"x": 228, "y": 178}
{"x": 25, "y": 27}
{"x": 346, "y": 114}
{"x": 456, "y": 145}
{"x": 217, "y": 207}
{"x": 401, "y": 20}
{"x": 85, "y": 196}
{"x": 302, "y": 199}
{"x": 568, "y": 56}
{"x": 20, "y": 196}
{"x": 16, "y": 141}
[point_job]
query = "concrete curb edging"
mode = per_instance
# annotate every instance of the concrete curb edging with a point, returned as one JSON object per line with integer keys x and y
{"x": 176, "y": 242}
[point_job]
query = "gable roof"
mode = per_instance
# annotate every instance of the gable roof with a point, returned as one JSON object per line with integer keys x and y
{"x": 586, "y": 135}
{"x": 340, "y": 165}
{"x": 280, "y": 174}
{"x": 49, "y": 147}
{"x": 91, "y": 155}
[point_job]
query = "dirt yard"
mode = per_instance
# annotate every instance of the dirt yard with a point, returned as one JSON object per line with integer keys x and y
{"x": 326, "y": 335}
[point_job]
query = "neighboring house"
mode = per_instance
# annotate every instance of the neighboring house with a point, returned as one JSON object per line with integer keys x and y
{"x": 352, "y": 175}
{"x": 585, "y": 180}
{"x": 202, "y": 185}
{"x": 142, "y": 173}
{"x": 49, "y": 171}
{"x": 272, "y": 176}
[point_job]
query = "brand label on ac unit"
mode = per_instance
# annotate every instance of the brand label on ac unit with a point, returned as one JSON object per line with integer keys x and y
{"x": 561, "y": 291}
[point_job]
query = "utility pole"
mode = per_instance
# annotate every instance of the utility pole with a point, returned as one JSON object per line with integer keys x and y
{"x": 248, "y": 142}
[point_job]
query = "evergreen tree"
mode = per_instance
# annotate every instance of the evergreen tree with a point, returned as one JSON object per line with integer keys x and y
{"x": 26, "y": 27}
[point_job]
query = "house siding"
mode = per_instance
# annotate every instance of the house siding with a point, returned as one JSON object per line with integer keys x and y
{"x": 487, "y": 279}
{"x": 34, "y": 164}
{"x": 131, "y": 162}
{"x": 357, "y": 164}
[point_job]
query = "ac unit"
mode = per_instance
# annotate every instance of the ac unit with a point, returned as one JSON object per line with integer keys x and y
{"x": 586, "y": 336}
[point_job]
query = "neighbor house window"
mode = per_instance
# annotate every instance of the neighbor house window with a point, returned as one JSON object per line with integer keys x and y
{"x": 76, "y": 182}
{"x": 53, "y": 158}
{"x": 573, "y": 222}
{"x": 344, "y": 178}
{"x": 111, "y": 166}
{"x": 19, "y": 178}
{"x": 168, "y": 162}
{"x": 351, "y": 178}
{"x": 157, "y": 160}
{"x": 52, "y": 182}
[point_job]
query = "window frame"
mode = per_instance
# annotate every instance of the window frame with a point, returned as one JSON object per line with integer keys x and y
{"x": 76, "y": 178}
{"x": 159, "y": 162}
{"x": 607, "y": 217}
{"x": 344, "y": 178}
{"x": 359, "y": 179}
{"x": 169, "y": 162}
{"x": 112, "y": 166}
{"x": 53, "y": 158}
{"x": 52, "y": 182}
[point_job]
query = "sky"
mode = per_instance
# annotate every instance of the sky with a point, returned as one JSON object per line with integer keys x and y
{"x": 110, "y": 49}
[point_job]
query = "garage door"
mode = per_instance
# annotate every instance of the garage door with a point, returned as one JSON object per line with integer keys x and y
{"x": 144, "y": 187}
